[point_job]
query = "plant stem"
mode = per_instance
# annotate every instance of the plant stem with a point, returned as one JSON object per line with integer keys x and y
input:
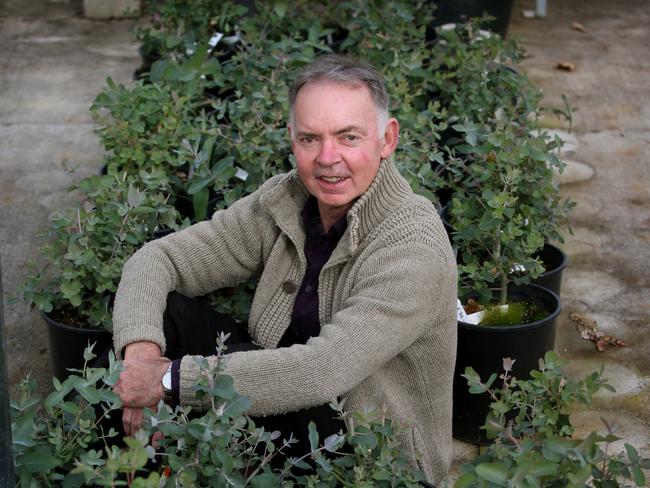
{"x": 503, "y": 295}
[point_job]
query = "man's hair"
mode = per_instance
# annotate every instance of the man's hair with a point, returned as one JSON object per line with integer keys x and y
{"x": 345, "y": 70}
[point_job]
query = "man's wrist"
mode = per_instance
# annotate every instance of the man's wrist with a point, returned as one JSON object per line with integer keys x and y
{"x": 142, "y": 349}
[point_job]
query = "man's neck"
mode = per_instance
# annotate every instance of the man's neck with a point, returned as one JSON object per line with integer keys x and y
{"x": 329, "y": 216}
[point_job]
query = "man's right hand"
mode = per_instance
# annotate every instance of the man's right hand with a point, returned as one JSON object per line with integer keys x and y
{"x": 140, "y": 383}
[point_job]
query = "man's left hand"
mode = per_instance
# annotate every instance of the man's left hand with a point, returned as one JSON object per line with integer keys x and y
{"x": 140, "y": 383}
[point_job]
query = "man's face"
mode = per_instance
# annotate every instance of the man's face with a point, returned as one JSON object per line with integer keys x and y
{"x": 336, "y": 143}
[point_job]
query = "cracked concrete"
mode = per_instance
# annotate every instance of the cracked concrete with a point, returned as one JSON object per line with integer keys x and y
{"x": 54, "y": 62}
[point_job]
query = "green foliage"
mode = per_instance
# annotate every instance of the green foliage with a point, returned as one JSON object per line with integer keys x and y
{"x": 533, "y": 442}
{"x": 475, "y": 76}
{"x": 48, "y": 436}
{"x": 143, "y": 126}
{"x": 60, "y": 442}
{"x": 505, "y": 204}
{"x": 86, "y": 247}
{"x": 367, "y": 456}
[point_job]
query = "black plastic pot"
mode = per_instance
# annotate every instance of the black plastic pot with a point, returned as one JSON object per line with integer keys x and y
{"x": 483, "y": 348}
{"x": 554, "y": 260}
{"x": 185, "y": 206}
{"x": 67, "y": 345}
{"x": 455, "y": 11}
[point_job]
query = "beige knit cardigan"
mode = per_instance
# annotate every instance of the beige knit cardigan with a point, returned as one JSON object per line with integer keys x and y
{"x": 386, "y": 306}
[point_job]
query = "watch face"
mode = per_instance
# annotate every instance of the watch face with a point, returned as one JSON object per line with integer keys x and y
{"x": 167, "y": 380}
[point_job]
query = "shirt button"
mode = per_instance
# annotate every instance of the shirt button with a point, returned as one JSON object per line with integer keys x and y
{"x": 289, "y": 287}
{"x": 308, "y": 288}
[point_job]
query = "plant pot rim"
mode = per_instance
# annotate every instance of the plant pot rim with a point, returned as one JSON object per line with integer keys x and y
{"x": 71, "y": 328}
{"x": 561, "y": 266}
{"x": 532, "y": 325}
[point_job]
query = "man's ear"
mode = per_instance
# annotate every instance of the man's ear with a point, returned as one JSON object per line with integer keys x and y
{"x": 390, "y": 138}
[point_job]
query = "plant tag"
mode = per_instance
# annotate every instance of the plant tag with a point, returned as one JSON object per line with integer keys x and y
{"x": 474, "y": 318}
{"x": 214, "y": 40}
{"x": 517, "y": 268}
{"x": 241, "y": 174}
{"x": 231, "y": 39}
{"x": 461, "y": 315}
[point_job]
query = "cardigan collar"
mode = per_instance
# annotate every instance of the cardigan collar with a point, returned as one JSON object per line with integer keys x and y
{"x": 386, "y": 193}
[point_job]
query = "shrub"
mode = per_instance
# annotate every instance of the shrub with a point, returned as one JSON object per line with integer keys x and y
{"x": 533, "y": 436}
{"x": 60, "y": 441}
{"x": 87, "y": 246}
{"x": 504, "y": 201}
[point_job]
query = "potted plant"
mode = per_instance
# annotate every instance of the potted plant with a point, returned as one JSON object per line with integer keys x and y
{"x": 83, "y": 254}
{"x": 501, "y": 213}
{"x": 533, "y": 441}
{"x": 476, "y": 79}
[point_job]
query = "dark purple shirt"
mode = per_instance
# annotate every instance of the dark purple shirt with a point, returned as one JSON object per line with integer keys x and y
{"x": 318, "y": 249}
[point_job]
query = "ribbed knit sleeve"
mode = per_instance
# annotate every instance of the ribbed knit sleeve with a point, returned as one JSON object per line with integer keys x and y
{"x": 213, "y": 254}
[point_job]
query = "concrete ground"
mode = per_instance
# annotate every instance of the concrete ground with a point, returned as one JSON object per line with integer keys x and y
{"x": 54, "y": 62}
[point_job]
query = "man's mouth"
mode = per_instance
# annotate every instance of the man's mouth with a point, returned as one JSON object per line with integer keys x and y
{"x": 332, "y": 179}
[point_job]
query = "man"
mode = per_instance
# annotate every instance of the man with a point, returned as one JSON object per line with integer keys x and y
{"x": 357, "y": 280}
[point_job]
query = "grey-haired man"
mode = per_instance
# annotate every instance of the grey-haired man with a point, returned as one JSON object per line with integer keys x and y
{"x": 357, "y": 280}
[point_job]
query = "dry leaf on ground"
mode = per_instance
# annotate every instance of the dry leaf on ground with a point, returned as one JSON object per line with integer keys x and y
{"x": 589, "y": 332}
{"x": 577, "y": 26}
{"x": 566, "y": 66}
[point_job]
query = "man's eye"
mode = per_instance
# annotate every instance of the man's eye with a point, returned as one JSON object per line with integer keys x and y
{"x": 351, "y": 138}
{"x": 307, "y": 139}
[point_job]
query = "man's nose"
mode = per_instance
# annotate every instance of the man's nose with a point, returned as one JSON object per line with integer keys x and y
{"x": 328, "y": 152}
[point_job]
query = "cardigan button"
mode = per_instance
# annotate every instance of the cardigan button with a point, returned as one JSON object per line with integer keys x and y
{"x": 289, "y": 287}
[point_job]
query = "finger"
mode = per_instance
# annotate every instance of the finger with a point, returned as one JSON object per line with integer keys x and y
{"x": 132, "y": 420}
{"x": 126, "y": 420}
{"x": 136, "y": 420}
{"x": 157, "y": 436}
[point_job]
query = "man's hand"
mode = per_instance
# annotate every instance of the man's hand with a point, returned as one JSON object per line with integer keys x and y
{"x": 140, "y": 383}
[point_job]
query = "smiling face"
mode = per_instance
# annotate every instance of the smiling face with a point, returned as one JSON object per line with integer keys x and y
{"x": 336, "y": 142}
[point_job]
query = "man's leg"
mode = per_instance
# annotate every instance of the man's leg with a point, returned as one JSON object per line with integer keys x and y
{"x": 192, "y": 327}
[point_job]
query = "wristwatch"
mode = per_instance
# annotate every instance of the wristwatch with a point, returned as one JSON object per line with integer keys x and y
{"x": 167, "y": 384}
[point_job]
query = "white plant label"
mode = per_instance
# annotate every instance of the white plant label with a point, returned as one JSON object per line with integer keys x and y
{"x": 241, "y": 174}
{"x": 214, "y": 40}
{"x": 461, "y": 315}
